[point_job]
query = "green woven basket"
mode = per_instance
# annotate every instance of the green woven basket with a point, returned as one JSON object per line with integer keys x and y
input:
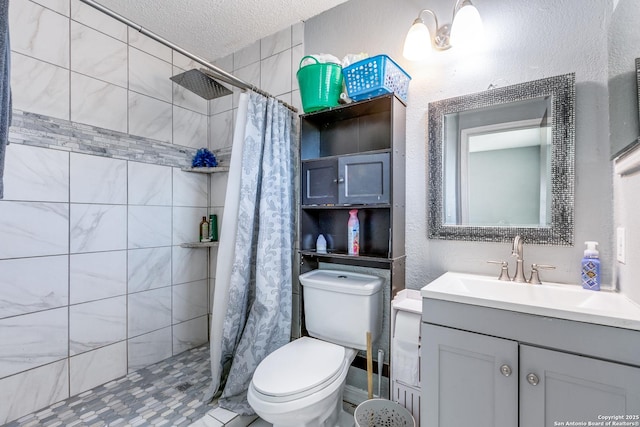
{"x": 320, "y": 85}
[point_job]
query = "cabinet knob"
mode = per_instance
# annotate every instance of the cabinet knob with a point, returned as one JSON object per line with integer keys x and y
{"x": 340, "y": 180}
{"x": 505, "y": 370}
{"x": 533, "y": 379}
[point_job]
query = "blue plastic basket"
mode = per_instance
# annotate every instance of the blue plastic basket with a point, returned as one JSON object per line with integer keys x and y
{"x": 376, "y": 76}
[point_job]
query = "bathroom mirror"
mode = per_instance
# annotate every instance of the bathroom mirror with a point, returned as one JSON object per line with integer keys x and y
{"x": 501, "y": 164}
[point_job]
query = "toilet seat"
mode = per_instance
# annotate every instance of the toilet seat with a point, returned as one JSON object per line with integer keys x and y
{"x": 298, "y": 369}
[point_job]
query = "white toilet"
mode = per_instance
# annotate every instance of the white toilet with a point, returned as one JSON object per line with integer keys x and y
{"x": 301, "y": 383}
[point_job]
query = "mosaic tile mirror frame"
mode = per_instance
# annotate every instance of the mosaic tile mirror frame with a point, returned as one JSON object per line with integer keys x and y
{"x": 555, "y": 224}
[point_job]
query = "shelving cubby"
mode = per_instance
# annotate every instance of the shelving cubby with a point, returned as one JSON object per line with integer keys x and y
{"x": 354, "y": 152}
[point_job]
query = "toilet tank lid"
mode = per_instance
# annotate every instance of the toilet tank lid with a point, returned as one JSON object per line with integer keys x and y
{"x": 342, "y": 281}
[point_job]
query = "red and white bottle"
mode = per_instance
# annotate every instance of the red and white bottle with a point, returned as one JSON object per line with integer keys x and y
{"x": 353, "y": 233}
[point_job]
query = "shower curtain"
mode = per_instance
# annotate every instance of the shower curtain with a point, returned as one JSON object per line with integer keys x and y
{"x": 251, "y": 314}
{"x": 5, "y": 86}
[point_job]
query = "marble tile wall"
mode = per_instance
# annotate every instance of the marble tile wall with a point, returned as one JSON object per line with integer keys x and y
{"x": 72, "y": 62}
{"x": 93, "y": 282}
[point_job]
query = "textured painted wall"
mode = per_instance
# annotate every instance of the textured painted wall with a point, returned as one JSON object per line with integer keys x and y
{"x": 525, "y": 41}
{"x": 624, "y": 47}
{"x": 627, "y": 200}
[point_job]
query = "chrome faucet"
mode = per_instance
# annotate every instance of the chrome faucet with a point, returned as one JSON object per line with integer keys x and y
{"x": 517, "y": 251}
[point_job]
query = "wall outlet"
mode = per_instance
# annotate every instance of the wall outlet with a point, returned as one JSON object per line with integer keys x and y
{"x": 620, "y": 245}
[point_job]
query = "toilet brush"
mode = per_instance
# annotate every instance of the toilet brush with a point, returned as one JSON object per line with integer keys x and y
{"x": 380, "y": 366}
{"x": 369, "y": 366}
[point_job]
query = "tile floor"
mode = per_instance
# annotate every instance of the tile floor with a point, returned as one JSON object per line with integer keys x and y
{"x": 168, "y": 393}
{"x": 220, "y": 417}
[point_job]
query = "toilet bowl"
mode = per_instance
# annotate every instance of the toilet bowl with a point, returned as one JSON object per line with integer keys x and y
{"x": 301, "y": 384}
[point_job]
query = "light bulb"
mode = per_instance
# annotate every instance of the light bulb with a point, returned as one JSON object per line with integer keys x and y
{"x": 467, "y": 31}
{"x": 417, "y": 44}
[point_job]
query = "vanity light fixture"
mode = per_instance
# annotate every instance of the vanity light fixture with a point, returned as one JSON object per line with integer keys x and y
{"x": 466, "y": 31}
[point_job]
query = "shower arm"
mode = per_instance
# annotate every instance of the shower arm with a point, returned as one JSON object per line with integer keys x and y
{"x": 211, "y": 70}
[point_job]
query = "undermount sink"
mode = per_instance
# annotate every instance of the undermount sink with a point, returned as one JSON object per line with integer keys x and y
{"x": 550, "y": 299}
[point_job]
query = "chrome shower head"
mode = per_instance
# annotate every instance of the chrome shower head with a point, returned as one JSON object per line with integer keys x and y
{"x": 201, "y": 83}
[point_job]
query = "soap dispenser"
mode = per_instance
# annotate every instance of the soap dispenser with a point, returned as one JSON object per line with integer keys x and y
{"x": 590, "y": 271}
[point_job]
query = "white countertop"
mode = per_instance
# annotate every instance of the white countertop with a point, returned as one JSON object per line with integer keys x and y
{"x": 549, "y": 299}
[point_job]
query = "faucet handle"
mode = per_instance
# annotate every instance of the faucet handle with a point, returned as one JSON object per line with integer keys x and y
{"x": 504, "y": 271}
{"x": 535, "y": 277}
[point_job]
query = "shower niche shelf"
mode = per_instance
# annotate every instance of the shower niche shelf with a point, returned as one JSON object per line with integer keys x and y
{"x": 207, "y": 170}
{"x": 199, "y": 244}
{"x": 211, "y": 170}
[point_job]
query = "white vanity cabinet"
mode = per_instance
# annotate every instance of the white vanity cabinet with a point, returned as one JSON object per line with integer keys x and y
{"x": 465, "y": 386}
{"x": 558, "y": 387}
{"x": 497, "y": 368}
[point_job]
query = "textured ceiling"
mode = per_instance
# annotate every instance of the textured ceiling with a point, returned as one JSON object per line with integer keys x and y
{"x": 215, "y": 28}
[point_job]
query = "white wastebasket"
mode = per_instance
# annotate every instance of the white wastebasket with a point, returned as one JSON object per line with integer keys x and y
{"x": 382, "y": 413}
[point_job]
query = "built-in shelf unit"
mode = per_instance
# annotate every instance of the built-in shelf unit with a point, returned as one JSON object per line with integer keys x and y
{"x": 353, "y": 157}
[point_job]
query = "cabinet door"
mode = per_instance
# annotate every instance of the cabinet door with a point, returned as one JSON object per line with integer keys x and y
{"x": 363, "y": 179}
{"x": 557, "y": 388}
{"x": 319, "y": 182}
{"x": 468, "y": 379}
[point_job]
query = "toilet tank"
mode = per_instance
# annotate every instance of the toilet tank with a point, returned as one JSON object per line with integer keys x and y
{"x": 341, "y": 306}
